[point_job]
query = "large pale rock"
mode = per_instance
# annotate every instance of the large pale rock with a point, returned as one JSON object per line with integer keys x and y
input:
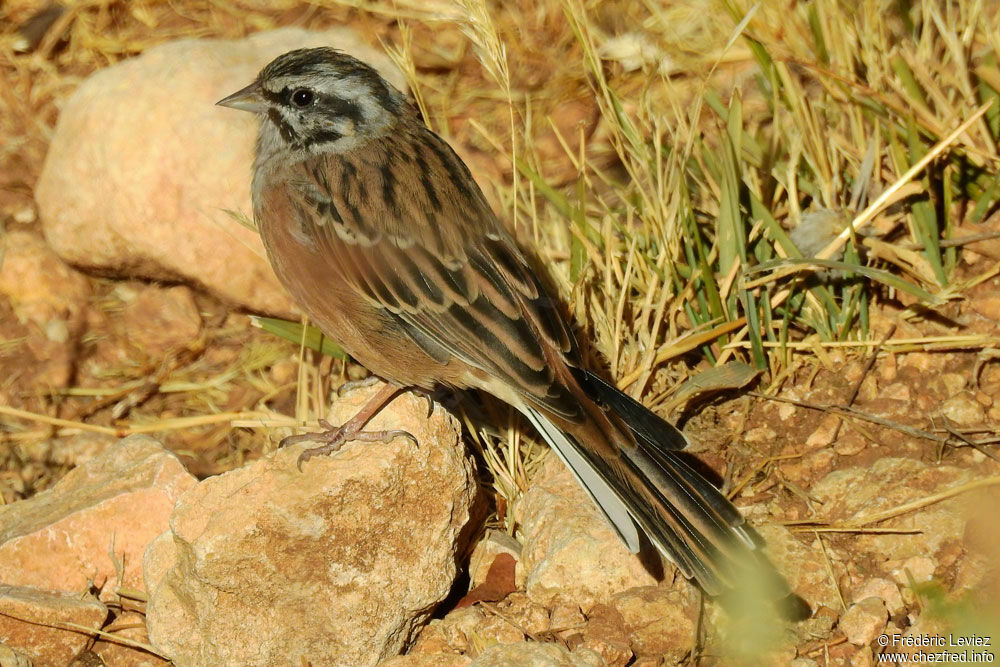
{"x": 143, "y": 165}
{"x": 116, "y": 503}
{"x": 569, "y": 548}
{"x": 30, "y": 621}
{"x": 338, "y": 563}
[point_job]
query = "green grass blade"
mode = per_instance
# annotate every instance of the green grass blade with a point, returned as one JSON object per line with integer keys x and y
{"x": 314, "y": 338}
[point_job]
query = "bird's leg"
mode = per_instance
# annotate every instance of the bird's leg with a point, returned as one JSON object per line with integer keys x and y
{"x": 336, "y": 437}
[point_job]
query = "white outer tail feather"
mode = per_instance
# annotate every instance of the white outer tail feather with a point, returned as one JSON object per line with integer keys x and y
{"x": 599, "y": 491}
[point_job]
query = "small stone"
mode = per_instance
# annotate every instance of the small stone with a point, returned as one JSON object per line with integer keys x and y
{"x": 284, "y": 372}
{"x": 536, "y": 654}
{"x": 607, "y": 635}
{"x": 566, "y": 617}
{"x": 864, "y": 491}
{"x": 431, "y": 641}
{"x": 850, "y": 443}
{"x": 923, "y": 361}
{"x": 987, "y": 306}
{"x": 918, "y": 569}
{"x": 864, "y": 620}
{"x": 887, "y": 368}
{"x": 494, "y": 629}
{"x": 660, "y": 621}
{"x": 492, "y": 544}
{"x": 863, "y": 657}
{"x": 964, "y": 410}
{"x": 458, "y": 628}
{"x": 884, "y": 590}
{"x": 898, "y": 391}
{"x": 952, "y": 383}
{"x": 984, "y": 399}
{"x": 530, "y": 617}
{"x": 823, "y": 435}
{"x": 760, "y": 434}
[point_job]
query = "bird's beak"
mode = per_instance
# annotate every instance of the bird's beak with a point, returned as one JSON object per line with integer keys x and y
{"x": 247, "y": 99}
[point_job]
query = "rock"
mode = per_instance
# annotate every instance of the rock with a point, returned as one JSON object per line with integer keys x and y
{"x": 859, "y": 492}
{"x": 964, "y": 410}
{"x": 459, "y": 629}
{"x": 428, "y": 660}
{"x": 824, "y": 433}
{"x": 492, "y": 544}
{"x": 159, "y": 319}
{"x": 606, "y": 635}
{"x": 62, "y": 539}
{"x": 11, "y": 658}
{"x": 850, "y": 443}
{"x": 536, "y": 654}
{"x": 568, "y": 547}
{"x": 660, "y": 621}
{"x": 566, "y": 619}
{"x": 340, "y": 562}
{"x": 884, "y": 590}
{"x": 126, "y": 626}
{"x": 40, "y": 286}
{"x": 863, "y": 657}
{"x": 916, "y": 569}
{"x": 525, "y": 614}
{"x": 864, "y": 620}
{"x": 143, "y": 167}
{"x": 29, "y": 618}
{"x": 802, "y": 566}
{"x": 50, "y": 299}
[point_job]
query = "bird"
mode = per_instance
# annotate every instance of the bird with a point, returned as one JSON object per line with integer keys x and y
{"x": 382, "y": 237}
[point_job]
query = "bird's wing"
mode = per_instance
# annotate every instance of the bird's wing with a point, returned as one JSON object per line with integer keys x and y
{"x": 411, "y": 231}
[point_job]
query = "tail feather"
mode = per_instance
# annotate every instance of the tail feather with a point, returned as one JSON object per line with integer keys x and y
{"x": 589, "y": 477}
{"x": 626, "y": 458}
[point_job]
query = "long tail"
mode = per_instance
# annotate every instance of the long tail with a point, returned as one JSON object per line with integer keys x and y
{"x": 634, "y": 474}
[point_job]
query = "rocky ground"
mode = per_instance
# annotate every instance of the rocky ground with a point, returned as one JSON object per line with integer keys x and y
{"x": 125, "y": 293}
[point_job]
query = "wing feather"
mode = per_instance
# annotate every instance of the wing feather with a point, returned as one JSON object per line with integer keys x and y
{"x": 468, "y": 294}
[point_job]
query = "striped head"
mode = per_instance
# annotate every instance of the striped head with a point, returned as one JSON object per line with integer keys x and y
{"x": 317, "y": 101}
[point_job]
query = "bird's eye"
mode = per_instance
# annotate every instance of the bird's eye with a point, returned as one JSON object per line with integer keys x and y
{"x": 302, "y": 97}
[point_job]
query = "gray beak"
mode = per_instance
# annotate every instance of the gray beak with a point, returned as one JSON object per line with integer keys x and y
{"x": 247, "y": 99}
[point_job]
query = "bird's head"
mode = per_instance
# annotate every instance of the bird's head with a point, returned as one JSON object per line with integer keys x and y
{"x": 319, "y": 101}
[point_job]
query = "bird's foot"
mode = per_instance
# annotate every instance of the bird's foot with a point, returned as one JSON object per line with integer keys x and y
{"x": 336, "y": 437}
